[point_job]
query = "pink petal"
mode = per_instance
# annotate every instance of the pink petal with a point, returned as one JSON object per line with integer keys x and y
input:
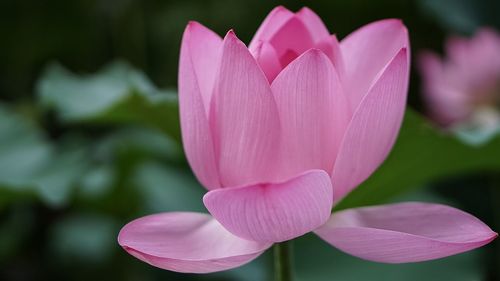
{"x": 266, "y": 56}
{"x": 373, "y": 128}
{"x": 291, "y": 40}
{"x": 274, "y": 21}
{"x": 447, "y": 103}
{"x": 187, "y": 242}
{"x": 204, "y": 49}
{"x": 273, "y": 212}
{"x": 244, "y": 118}
{"x": 310, "y": 102}
{"x": 193, "y": 90}
{"x": 331, "y": 47}
{"x": 367, "y": 51}
{"x": 405, "y": 232}
{"x": 314, "y": 24}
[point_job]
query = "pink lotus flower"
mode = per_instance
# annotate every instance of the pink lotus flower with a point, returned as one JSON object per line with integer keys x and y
{"x": 463, "y": 91}
{"x": 280, "y": 129}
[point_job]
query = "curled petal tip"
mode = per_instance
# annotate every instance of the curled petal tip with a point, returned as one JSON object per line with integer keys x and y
{"x": 314, "y": 52}
{"x": 305, "y": 9}
{"x": 231, "y": 35}
{"x": 280, "y": 8}
{"x": 192, "y": 24}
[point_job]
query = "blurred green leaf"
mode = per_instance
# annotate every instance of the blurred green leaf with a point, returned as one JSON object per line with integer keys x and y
{"x": 165, "y": 188}
{"x": 87, "y": 238}
{"x": 150, "y": 142}
{"x": 56, "y": 181}
{"x": 117, "y": 94}
{"x": 15, "y": 228}
{"x": 97, "y": 181}
{"x": 31, "y": 166}
{"x": 316, "y": 260}
{"x": 422, "y": 153}
{"x": 23, "y": 147}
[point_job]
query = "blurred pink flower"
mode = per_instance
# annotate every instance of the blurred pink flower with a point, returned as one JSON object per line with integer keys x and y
{"x": 270, "y": 128}
{"x": 463, "y": 90}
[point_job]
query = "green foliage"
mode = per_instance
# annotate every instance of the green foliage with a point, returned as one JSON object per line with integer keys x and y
{"x": 30, "y": 165}
{"x": 117, "y": 94}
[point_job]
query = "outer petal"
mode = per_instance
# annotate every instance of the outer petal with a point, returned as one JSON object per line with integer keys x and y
{"x": 373, "y": 128}
{"x": 187, "y": 242}
{"x": 244, "y": 118}
{"x": 310, "y": 102}
{"x": 367, "y": 51}
{"x": 272, "y": 23}
{"x": 205, "y": 50}
{"x": 196, "y": 135}
{"x": 273, "y": 212}
{"x": 405, "y": 232}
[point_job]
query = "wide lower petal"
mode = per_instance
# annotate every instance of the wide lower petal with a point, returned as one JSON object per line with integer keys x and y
{"x": 367, "y": 51}
{"x": 373, "y": 128}
{"x": 244, "y": 118}
{"x": 187, "y": 242}
{"x": 405, "y": 232}
{"x": 310, "y": 102}
{"x": 273, "y": 212}
{"x": 194, "y": 94}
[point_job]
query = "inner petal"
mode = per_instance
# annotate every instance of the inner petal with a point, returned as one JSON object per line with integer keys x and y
{"x": 288, "y": 42}
{"x": 291, "y": 40}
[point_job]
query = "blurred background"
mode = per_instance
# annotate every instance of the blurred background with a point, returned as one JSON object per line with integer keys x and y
{"x": 89, "y": 137}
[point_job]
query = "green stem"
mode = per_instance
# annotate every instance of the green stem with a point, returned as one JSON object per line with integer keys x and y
{"x": 283, "y": 261}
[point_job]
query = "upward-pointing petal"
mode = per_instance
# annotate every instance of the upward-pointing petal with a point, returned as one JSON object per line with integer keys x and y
{"x": 314, "y": 24}
{"x": 194, "y": 88}
{"x": 310, "y": 102}
{"x": 367, "y": 51}
{"x": 373, "y": 128}
{"x": 272, "y": 23}
{"x": 244, "y": 118}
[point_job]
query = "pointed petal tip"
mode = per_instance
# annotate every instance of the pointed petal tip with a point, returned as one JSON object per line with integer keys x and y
{"x": 280, "y": 8}
{"x": 232, "y": 39}
{"x": 316, "y": 53}
{"x": 305, "y": 9}
{"x": 192, "y": 24}
{"x": 231, "y": 36}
